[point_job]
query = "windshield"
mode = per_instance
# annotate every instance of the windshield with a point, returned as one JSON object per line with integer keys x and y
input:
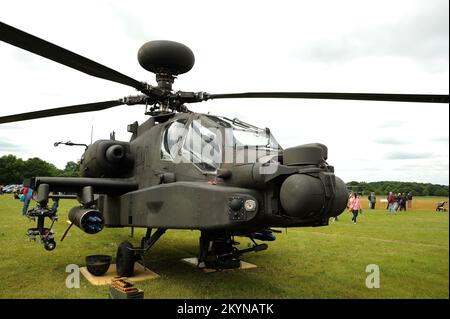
{"x": 250, "y": 138}
{"x": 172, "y": 137}
{"x": 208, "y": 141}
{"x": 202, "y": 146}
{"x": 241, "y": 134}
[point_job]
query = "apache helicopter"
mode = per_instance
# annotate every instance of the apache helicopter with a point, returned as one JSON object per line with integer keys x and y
{"x": 243, "y": 185}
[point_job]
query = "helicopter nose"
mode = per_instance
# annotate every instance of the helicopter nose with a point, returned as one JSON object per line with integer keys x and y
{"x": 303, "y": 196}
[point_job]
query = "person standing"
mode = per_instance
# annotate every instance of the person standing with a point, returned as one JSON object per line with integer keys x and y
{"x": 409, "y": 198}
{"x": 391, "y": 203}
{"x": 355, "y": 206}
{"x": 27, "y": 194}
{"x": 403, "y": 202}
{"x": 397, "y": 202}
{"x": 372, "y": 200}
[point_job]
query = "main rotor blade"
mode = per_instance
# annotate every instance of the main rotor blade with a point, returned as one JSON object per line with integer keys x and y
{"x": 58, "y": 54}
{"x": 426, "y": 98}
{"x": 81, "y": 108}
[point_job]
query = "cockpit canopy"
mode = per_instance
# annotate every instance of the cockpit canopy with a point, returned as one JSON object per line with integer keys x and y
{"x": 209, "y": 141}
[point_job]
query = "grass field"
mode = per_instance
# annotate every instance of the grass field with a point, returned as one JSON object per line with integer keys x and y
{"x": 411, "y": 250}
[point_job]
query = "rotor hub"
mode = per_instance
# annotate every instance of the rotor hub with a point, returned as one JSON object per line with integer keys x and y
{"x": 165, "y": 81}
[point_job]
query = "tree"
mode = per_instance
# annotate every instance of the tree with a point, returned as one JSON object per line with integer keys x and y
{"x": 14, "y": 170}
{"x": 417, "y": 189}
{"x": 37, "y": 167}
{"x": 11, "y": 170}
{"x": 72, "y": 169}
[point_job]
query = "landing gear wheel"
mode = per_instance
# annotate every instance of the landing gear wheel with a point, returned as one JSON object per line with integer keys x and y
{"x": 125, "y": 259}
{"x": 50, "y": 245}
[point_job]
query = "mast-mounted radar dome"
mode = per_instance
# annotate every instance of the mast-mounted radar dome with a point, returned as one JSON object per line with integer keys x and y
{"x": 164, "y": 56}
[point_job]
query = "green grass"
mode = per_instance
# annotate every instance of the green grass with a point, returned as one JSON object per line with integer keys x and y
{"x": 411, "y": 249}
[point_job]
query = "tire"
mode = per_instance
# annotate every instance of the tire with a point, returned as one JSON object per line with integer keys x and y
{"x": 125, "y": 259}
{"x": 50, "y": 245}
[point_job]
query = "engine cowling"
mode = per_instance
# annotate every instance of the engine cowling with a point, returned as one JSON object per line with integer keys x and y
{"x": 303, "y": 196}
{"x": 107, "y": 158}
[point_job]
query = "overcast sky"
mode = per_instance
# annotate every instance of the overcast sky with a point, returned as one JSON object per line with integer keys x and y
{"x": 239, "y": 46}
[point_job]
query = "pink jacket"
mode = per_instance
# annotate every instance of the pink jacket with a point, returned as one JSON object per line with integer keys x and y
{"x": 355, "y": 204}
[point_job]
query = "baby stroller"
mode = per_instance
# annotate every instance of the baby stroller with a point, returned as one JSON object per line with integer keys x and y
{"x": 441, "y": 207}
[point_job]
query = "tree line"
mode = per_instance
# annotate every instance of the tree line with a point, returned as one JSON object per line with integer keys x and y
{"x": 14, "y": 170}
{"x": 384, "y": 187}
